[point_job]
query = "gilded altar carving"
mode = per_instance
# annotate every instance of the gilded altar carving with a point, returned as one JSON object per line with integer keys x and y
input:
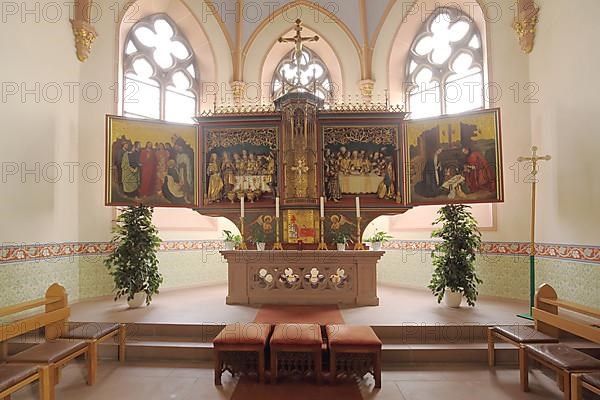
{"x": 241, "y": 163}
{"x": 294, "y": 278}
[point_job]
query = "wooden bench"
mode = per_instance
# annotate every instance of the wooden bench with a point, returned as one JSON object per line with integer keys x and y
{"x": 354, "y": 350}
{"x": 517, "y": 335}
{"x": 240, "y": 348}
{"x": 16, "y": 377}
{"x": 562, "y": 359}
{"x": 581, "y": 382}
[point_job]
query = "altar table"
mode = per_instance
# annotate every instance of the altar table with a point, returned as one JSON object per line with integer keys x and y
{"x": 357, "y": 184}
{"x": 302, "y": 277}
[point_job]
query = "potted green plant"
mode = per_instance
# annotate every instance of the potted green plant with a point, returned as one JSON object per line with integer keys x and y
{"x": 340, "y": 239}
{"x": 133, "y": 263}
{"x": 454, "y": 257}
{"x": 231, "y": 241}
{"x": 378, "y": 238}
{"x": 258, "y": 237}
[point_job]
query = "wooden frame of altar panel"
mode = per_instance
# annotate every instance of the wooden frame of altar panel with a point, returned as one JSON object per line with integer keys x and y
{"x": 251, "y": 147}
{"x": 164, "y": 174}
{"x": 454, "y": 159}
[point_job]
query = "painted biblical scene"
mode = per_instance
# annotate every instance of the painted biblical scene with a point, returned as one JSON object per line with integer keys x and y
{"x": 301, "y": 225}
{"x": 454, "y": 159}
{"x": 151, "y": 163}
{"x": 239, "y": 163}
{"x": 361, "y": 161}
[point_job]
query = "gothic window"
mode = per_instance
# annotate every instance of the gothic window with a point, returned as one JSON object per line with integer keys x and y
{"x": 308, "y": 75}
{"x": 160, "y": 74}
{"x": 444, "y": 72}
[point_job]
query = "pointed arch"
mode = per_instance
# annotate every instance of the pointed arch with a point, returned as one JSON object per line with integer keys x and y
{"x": 395, "y": 36}
{"x": 334, "y": 33}
{"x": 213, "y": 56}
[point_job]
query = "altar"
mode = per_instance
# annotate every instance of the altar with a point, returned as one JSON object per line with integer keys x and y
{"x": 302, "y": 277}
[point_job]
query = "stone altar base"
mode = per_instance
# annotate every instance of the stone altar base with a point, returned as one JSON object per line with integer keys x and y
{"x": 302, "y": 277}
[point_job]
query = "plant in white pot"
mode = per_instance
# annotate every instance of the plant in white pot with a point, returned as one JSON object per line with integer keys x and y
{"x": 378, "y": 238}
{"x": 454, "y": 257}
{"x": 133, "y": 263}
{"x": 258, "y": 237}
{"x": 340, "y": 239}
{"x": 231, "y": 241}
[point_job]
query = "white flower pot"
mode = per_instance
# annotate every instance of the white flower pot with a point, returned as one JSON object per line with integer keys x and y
{"x": 376, "y": 246}
{"x": 229, "y": 245}
{"x": 139, "y": 300}
{"x": 452, "y": 299}
{"x": 261, "y": 246}
{"x": 341, "y": 246}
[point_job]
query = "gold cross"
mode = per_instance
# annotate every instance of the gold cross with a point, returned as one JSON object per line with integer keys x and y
{"x": 300, "y": 168}
{"x": 298, "y": 39}
{"x": 534, "y": 158}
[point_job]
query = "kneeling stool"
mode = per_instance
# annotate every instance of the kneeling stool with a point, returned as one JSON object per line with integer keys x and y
{"x": 296, "y": 348}
{"x": 590, "y": 382}
{"x": 241, "y": 348}
{"x": 354, "y": 350}
{"x": 517, "y": 335}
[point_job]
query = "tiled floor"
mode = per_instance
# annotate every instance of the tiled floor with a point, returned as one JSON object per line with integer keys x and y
{"x": 195, "y": 382}
{"x": 206, "y": 305}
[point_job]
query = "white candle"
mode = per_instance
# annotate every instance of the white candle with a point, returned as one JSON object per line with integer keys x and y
{"x": 322, "y": 207}
{"x": 357, "y": 207}
{"x": 276, "y": 207}
{"x": 242, "y": 207}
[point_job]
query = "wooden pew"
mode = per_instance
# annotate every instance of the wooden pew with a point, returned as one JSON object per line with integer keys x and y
{"x": 54, "y": 321}
{"x": 565, "y": 361}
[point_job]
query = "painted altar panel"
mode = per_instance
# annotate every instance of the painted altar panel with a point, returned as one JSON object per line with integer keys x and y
{"x": 362, "y": 159}
{"x": 151, "y": 162}
{"x": 239, "y": 162}
{"x": 454, "y": 159}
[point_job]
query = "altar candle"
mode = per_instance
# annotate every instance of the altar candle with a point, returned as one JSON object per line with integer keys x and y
{"x": 322, "y": 207}
{"x": 242, "y": 207}
{"x": 276, "y": 207}
{"x": 357, "y": 207}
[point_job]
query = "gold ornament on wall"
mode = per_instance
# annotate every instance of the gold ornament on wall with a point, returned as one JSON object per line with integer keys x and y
{"x": 524, "y": 24}
{"x": 83, "y": 30}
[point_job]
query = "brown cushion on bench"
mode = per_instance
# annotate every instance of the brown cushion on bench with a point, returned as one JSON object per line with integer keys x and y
{"x": 91, "y": 331}
{"x": 352, "y": 335}
{"x": 563, "y": 356}
{"x": 48, "y": 352}
{"x": 592, "y": 379}
{"x": 297, "y": 334}
{"x": 244, "y": 334}
{"x": 524, "y": 334}
{"x": 10, "y": 375}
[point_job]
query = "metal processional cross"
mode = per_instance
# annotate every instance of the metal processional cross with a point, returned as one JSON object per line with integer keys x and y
{"x": 534, "y": 158}
{"x": 298, "y": 40}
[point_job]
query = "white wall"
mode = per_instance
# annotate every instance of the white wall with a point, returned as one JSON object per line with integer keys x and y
{"x": 564, "y": 65}
{"x": 40, "y": 131}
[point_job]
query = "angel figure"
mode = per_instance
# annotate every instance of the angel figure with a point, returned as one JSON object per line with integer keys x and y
{"x": 338, "y": 221}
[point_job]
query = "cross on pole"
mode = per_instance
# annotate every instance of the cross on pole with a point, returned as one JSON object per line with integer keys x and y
{"x": 534, "y": 159}
{"x": 298, "y": 40}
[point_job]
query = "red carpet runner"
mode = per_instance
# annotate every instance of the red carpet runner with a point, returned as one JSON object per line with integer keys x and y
{"x": 322, "y": 315}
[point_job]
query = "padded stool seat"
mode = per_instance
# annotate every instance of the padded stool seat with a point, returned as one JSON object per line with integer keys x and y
{"x": 524, "y": 334}
{"x": 241, "y": 348}
{"x": 10, "y": 375}
{"x": 592, "y": 379}
{"x": 90, "y": 331}
{"x": 298, "y": 348}
{"x": 354, "y": 350}
{"x": 48, "y": 352}
{"x": 564, "y": 357}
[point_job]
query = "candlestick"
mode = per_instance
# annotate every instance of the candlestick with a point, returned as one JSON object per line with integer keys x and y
{"x": 242, "y": 208}
{"x": 276, "y": 207}
{"x": 322, "y": 244}
{"x": 322, "y": 200}
{"x": 358, "y": 245}
{"x": 357, "y": 207}
{"x": 243, "y": 244}
{"x": 277, "y": 245}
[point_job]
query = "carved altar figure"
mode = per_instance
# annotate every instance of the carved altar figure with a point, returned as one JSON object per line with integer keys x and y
{"x": 215, "y": 182}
